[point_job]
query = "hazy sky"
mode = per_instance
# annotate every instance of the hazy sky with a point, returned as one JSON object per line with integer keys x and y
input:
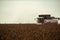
{"x": 25, "y": 11}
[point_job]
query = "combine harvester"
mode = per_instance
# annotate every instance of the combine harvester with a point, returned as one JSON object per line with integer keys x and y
{"x": 47, "y": 19}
